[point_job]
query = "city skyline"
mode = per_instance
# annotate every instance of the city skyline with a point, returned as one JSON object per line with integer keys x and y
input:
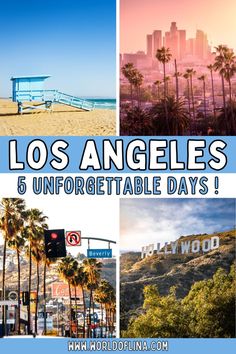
{"x": 179, "y": 43}
{"x": 158, "y": 14}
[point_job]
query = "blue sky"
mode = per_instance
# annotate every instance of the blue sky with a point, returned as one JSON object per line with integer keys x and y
{"x": 144, "y": 221}
{"x": 71, "y": 40}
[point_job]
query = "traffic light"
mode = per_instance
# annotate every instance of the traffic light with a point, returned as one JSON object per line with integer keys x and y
{"x": 25, "y": 298}
{"x": 55, "y": 243}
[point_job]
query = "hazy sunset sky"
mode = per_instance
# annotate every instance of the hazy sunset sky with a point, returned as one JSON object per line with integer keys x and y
{"x": 139, "y": 17}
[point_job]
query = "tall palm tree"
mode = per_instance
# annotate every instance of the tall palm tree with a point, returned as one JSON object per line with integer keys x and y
{"x": 157, "y": 83}
{"x": 46, "y": 264}
{"x": 163, "y": 55}
{"x": 203, "y": 79}
{"x": 67, "y": 268}
{"x": 228, "y": 72}
{"x": 137, "y": 80}
{"x": 191, "y": 72}
{"x": 230, "y": 69}
{"x": 17, "y": 243}
{"x": 37, "y": 256}
{"x": 177, "y": 74}
{"x": 35, "y": 219}
{"x": 128, "y": 72}
{"x": 12, "y": 209}
{"x": 105, "y": 296}
{"x": 219, "y": 65}
{"x": 92, "y": 268}
{"x": 80, "y": 279}
{"x": 186, "y": 76}
{"x": 211, "y": 68}
{"x": 167, "y": 80}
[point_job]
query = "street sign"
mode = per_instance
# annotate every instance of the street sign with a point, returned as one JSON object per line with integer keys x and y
{"x": 73, "y": 238}
{"x": 99, "y": 253}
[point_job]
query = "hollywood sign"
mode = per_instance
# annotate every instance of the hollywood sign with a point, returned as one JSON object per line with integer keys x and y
{"x": 183, "y": 247}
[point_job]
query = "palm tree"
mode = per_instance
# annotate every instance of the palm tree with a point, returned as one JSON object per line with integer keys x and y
{"x": 230, "y": 69}
{"x": 228, "y": 72}
{"x": 17, "y": 243}
{"x": 67, "y": 268}
{"x": 35, "y": 219}
{"x": 211, "y": 68}
{"x": 128, "y": 72}
{"x": 157, "y": 83}
{"x": 163, "y": 55}
{"x": 79, "y": 279}
{"x": 93, "y": 269}
{"x": 167, "y": 80}
{"x": 82, "y": 279}
{"x": 46, "y": 264}
{"x": 37, "y": 256}
{"x": 191, "y": 72}
{"x": 10, "y": 225}
{"x": 179, "y": 119}
{"x": 222, "y": 126}
{"x": 186, "y": 76}
{"x": 177, "y": 74}
{"x": 137, "y": 80}
{"x": 136, "y": 122}
{"x": 203, "y": 79}
{"x": 105, "y": 296}
{"x": 219, "y": 66}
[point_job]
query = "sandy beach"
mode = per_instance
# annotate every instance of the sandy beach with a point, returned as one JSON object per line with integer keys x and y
{"x": 63, "y": 120}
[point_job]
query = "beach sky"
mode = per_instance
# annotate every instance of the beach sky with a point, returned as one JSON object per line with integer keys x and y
{"x": 146, "y": 221}
{"x": 214, "y": 17}
{"x": 74, "y": 41}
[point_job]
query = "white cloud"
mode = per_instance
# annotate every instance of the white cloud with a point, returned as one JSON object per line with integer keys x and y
{"x": 159, "y": 220}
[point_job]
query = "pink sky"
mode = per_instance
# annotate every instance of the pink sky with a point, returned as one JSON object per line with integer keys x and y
{"x": 140, "y": 17}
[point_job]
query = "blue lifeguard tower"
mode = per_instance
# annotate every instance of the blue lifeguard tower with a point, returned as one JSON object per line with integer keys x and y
{"x": 29, "y": 93}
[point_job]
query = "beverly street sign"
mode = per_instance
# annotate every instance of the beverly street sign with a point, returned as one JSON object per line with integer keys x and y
{"x": 99, "y": 253}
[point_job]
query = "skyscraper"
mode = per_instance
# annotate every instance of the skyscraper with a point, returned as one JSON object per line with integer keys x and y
{"x": 190, "y": 46}
{"x": 174, "y": 40}
{"x": 201, "y": 48}
{"x": 182, "y": 43}
{"x": 149, "y": 45}
{"x": 167, "y": 40}
{"x": 157, "y": 41}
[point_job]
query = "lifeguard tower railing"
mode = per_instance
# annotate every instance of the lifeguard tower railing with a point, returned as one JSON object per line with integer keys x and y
{"x": 53, "y": 96}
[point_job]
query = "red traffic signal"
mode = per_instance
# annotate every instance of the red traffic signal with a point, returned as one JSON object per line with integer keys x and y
{"x": 55, "y": 243}
{"x": 54, "y": 235}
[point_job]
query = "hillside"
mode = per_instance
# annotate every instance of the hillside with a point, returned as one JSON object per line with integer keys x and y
{"x": 169, "y": 270}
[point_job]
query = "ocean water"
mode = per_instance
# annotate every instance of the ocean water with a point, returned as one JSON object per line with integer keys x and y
{"x": 103, "y": 103}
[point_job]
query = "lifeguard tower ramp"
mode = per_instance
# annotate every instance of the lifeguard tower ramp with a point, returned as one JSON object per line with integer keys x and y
{"x": 29, "y": 93}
